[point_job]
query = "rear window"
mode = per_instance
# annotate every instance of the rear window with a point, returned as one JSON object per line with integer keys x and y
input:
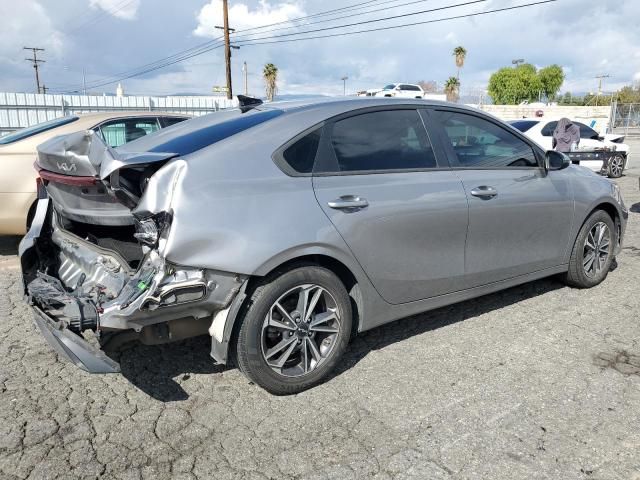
{"x": 36, "y": 129}
{"x": 523, "y": 125}
{"x": 200, "y": 132}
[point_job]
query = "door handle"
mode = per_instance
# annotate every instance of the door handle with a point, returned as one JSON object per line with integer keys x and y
{"x": 484, "y": 191}
{"x": 348, "y": 202}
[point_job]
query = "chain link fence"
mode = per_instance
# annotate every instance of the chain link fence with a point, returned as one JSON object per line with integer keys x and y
{"x": 625, "y": 118}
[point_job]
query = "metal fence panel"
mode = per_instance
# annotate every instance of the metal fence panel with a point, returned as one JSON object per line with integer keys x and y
{"x": 19, "y": 110}
{"x": 626, "y": 118}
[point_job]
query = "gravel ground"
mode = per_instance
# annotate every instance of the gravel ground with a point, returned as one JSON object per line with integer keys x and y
{"x": 539, "y": 381}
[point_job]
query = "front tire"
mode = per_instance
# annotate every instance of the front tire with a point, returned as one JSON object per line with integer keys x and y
{"x": 294, "y": 329}
{"x": 616, "y": 166}
{"x": 592, "y": 252}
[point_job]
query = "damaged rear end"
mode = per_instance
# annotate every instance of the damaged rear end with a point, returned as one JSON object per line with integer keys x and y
{"x": 95, "y": 261}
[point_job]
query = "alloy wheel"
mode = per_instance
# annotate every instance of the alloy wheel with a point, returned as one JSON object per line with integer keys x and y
{"x": 300, "y": 330}
{"x": 597, "y": 247}
{"x": 616, "y": 166}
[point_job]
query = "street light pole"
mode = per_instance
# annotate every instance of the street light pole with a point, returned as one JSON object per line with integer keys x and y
{"x": 517, "y": 62}
{"x": 344, "y": 85}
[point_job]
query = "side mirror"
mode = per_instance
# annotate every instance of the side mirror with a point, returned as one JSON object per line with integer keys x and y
{"x": 556, "y": 160}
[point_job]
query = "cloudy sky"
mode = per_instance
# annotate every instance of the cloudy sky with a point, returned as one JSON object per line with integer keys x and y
{"x": 109, "y": 39}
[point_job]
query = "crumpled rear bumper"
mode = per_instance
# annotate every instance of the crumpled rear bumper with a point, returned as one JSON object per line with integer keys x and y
{"x": 73, "y": 347}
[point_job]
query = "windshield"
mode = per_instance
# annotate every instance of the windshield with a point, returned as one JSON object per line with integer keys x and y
{"x": 391, "y": 86}
{"x": 36, "y": 129}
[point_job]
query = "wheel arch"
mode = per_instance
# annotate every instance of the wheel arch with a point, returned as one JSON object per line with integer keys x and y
{"x": 224, "y": 351}
{"x": 331, "y": 263}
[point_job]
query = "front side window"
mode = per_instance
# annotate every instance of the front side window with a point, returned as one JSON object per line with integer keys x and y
{"x": 119, "y": 132}
{"x": 384, "y": 140}
{"x": 391, "y": 86}
{"x": 479, "y": 143}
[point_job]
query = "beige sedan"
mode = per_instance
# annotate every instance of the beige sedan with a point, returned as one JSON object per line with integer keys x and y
{"x": 18, "y": 153}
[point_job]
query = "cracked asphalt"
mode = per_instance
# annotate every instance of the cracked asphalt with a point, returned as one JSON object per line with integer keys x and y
{"x": 539, "y": 381}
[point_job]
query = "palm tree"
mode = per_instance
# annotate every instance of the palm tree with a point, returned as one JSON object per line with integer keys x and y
{"x": 270, "y": 75}
{"x": 452, "y": 89}
{"x": 460, "y": 53}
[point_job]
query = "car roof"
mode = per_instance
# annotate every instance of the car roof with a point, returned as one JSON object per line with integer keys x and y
{"x": 100, "y": 116}
{"x": 352, "y": 103}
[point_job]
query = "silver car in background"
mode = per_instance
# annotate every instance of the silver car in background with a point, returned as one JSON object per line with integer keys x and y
{"x": 283, "y": 230}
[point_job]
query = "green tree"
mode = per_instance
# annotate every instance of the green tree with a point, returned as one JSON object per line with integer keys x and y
{"x": 270, "y": 75}
{"x": 551, "y": 78}
{"x": 511, "y": 86}
{"x": 452, "y": 89}
{"x": 629, "y": 94}
{"x": 460, "y": 54}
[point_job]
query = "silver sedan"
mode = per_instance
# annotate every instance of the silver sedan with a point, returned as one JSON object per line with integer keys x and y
{"x": 283, "y": 230}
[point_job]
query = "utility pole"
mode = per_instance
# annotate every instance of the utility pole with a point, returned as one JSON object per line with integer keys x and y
{"x": 227, "y": 47}
{"x": 84, "y": 82}
{"x": 36, "y": 61}
{"x": 244, "y": 71}
{"x": 44, "y": 88}
{"x": 344, "y": 85}
{"x": 600, "y": 77}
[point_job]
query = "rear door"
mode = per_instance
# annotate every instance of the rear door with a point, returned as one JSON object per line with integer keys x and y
{"x": 520, "y": 216}
{"x": 379, "y": 180}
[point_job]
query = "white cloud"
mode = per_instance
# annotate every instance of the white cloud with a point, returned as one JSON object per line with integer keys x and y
{"x": 124, "y": 9}
{"x": 29, "y": 23}
{"x": 241, "y": 16}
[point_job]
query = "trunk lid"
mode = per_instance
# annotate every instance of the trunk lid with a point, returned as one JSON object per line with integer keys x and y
{"x": 81, "y": 174}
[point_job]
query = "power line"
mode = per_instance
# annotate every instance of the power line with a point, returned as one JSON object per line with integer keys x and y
{"x": 208, "y": 46}
{"x": 354, "y": 6}
{"x": 249, "y": 43}
{"x": 215, "y": 40}
{"x": 93, "y": 20}
{"x": 363, "y": 22}
{"x": 344, "y": 16}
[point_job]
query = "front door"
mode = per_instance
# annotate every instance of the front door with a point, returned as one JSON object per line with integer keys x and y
{"x": 405, "y": 221}
{"x": 520, "y": 216}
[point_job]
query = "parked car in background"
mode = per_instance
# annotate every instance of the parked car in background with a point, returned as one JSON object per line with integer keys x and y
{"x": 401, "y": 90}
{"x": 541, "y": 131}
{"x": 18, "y": 153}
{"x": 284, "y": 230}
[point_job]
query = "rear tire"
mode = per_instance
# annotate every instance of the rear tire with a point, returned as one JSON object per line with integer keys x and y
{"x": 294, "y": 329}
{"x": 592, "y": 252}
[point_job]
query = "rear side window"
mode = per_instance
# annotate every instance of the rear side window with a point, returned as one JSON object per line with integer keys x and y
{"x": 548, "y": 129}
{"x": 301, "y": 155}
{"x": 384, "y": 140}
{"x": 36, "y": 129}
{"x": 586, "y": 132}
{"x": 412, "y": 88}
{"x": 523, "y": 125}
{"x": 119, "y": 132}
{"x": 479, "y": 143}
